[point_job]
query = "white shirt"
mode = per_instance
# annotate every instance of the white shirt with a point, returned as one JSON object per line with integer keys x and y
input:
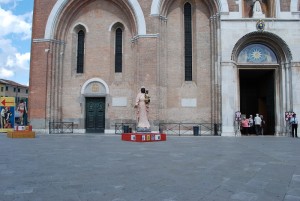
{"x": 257, "y": 120}
{"x": 294, "y": 120}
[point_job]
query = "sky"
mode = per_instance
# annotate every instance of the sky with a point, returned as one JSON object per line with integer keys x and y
{"x": 15, "y": 39}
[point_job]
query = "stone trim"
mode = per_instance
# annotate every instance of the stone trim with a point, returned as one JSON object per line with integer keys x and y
{"x": 94, "y": 80}
{"x": 43, "y": 40}
{"x": 156, "y": 6}
{"x": 135, "y": 38}
{"x": 60, "y": 5}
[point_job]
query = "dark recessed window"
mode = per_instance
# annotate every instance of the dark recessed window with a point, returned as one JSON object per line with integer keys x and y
{"x": 118, "y": 51}
{"x": 80, "y": 51}
{"x": 188, "y": 52}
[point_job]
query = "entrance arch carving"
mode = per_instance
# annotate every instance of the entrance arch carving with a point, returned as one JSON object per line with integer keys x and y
{"x": 257, "y": 54}
{"x": 281, "y": 65}
{"x": 273, "y": 41}
{"x": 95, "y": 87}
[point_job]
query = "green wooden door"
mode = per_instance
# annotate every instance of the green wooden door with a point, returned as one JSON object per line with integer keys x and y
{"x": 95, "y": 115}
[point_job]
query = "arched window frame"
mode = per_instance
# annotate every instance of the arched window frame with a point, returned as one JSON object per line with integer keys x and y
{"x": 117, "y": 40}
{"x": 188, "y": 42}
{"x": 118, "y": 50}
{"x": 80, "y": 51}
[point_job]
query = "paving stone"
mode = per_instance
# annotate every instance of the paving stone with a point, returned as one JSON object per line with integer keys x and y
{"x": 102, "y": 167}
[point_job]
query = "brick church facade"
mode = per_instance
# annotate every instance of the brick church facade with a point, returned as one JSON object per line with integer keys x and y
{"x": 201, "y": 60}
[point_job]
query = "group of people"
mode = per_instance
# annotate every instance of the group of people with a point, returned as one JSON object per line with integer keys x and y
{"x": 253, "y": 126}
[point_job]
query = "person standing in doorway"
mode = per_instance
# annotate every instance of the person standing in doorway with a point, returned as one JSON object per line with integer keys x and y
{"x": 257, "y": 121}
{"x": 250, "y": 130}
{"x": 294, "y": 123}
{"x": 245, "y": 126}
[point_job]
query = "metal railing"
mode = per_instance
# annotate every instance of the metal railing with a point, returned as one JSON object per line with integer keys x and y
{"x": 207, "y": 129}
{"x": 60, "y": 127}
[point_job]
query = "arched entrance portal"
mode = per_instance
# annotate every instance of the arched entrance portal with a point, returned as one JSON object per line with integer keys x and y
{"x": 257, "y": 95}
{"x": 94, "y": 92}
{"x": 264, "y": 58}
{"x": 257, "y": 65}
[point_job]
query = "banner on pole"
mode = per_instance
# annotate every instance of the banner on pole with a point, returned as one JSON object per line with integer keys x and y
{"x": 7, "y": 118}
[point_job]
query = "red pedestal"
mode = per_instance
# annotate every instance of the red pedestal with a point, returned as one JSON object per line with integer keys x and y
{"x": 144, "y": 137}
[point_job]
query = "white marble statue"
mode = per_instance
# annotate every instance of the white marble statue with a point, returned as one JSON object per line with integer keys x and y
{"x": 257, "y": 10}
{"x": 142, "y": 105}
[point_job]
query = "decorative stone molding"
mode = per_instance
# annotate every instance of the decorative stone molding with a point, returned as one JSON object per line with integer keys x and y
{"x": 42, "y": 40}
{"x": 135, "y": 38}
{"x": 95, "y": 87}
{"x": 60, "y": 5}
{"x": 272, "y": 39}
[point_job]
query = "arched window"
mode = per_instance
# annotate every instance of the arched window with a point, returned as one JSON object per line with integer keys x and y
{"x": 118, "y": 50}
{"x": 80, "y": 51}
{"x": 188, "y": 52}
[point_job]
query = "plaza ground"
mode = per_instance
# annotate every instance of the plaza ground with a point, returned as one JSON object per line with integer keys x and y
{"x": 104, "y": 168}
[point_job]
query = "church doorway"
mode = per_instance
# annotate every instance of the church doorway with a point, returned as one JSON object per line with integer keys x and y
{"x": 95, "y": 115}
{"x": 257, "y": 95}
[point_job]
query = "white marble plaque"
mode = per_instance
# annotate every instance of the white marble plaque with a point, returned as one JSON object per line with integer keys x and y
{"x": 189, "y": 102}
{"x": 119, "y": 102}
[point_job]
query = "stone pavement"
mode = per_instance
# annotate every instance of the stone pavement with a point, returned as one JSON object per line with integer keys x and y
{"x": 104, "y": 168}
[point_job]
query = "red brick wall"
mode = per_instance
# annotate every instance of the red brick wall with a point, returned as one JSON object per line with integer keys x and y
{"x": 42, "y": 9}
{"x": 38, "y": 61}
{"x": 38, "y": 79}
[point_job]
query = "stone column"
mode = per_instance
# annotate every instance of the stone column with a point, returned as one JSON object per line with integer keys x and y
{"x": 215, "y": 69}
{"x": 56, "y": 80}
{"x": 295, "y": 86}
{"x": 229, "y": 97}
{"x": 284, "y": 100}
{"x": 218, "y": 71}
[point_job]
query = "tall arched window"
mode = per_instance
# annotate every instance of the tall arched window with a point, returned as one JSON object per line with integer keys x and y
{"x": 80, "y": 51}
{"x": 188, "y": 52}
{"x": 118, "y": 50}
